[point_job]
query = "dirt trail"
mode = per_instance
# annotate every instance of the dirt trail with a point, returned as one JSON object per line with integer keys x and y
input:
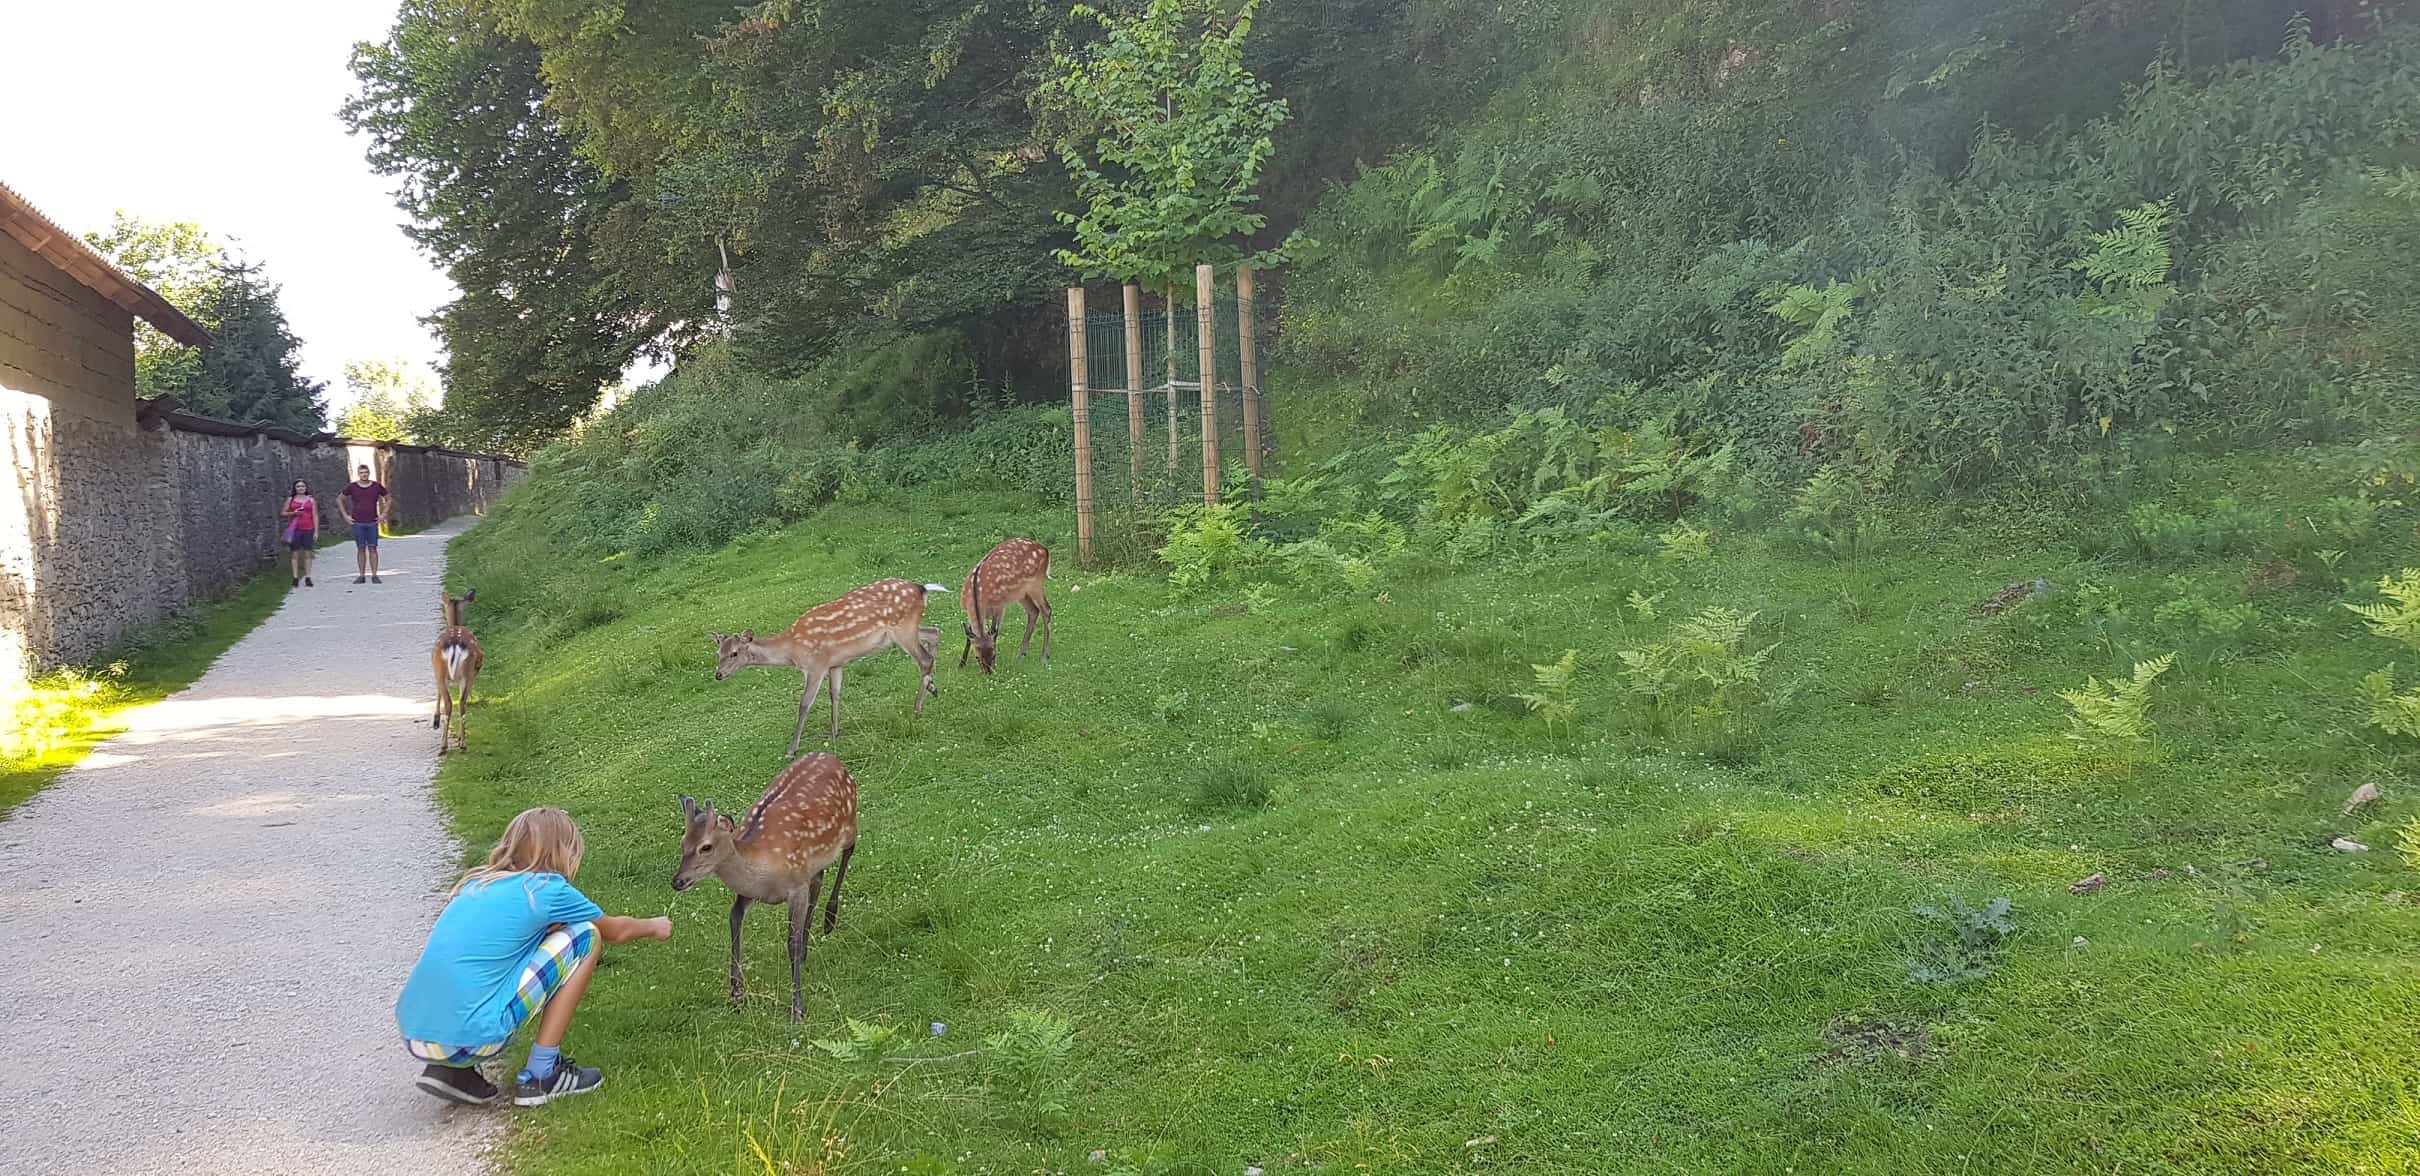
{"x": 206, "y": 922}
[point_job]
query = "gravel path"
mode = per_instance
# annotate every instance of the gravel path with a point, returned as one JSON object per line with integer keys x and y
{"x": 206, "y": 922}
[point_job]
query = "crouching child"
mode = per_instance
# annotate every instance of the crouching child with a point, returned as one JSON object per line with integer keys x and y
{"x": 516, "y": 943}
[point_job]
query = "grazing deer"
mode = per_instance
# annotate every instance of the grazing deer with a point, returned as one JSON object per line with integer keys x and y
{"x": 806, "y": 820}
{"x": 866, "y": 620}
{"x": 1012, "y": 573}
{"x": 456, "y": 658}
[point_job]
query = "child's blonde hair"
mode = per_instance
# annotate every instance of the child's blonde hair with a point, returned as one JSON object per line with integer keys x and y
{"x": 539, "y": 841}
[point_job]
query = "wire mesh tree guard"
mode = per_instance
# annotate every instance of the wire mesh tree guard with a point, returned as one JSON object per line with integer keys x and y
{"x": 1177, "y": 424}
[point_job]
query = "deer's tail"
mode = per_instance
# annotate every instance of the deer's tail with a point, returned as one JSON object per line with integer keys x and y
{"x": 942, "y": 588}
{"x": 454, "y": 656}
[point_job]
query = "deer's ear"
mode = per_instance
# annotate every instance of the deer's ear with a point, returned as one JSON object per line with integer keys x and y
{"x": 688, "y": 806}
{"x": 470, "y": 596}
{"x": 749, "y": 636}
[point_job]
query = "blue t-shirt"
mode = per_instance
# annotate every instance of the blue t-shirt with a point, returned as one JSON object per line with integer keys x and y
{"x": 460, "y": 993}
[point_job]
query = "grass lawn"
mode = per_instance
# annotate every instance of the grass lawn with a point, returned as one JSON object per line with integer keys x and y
{"x": 1313, "y": 891}
{"x": 61, "y": 716}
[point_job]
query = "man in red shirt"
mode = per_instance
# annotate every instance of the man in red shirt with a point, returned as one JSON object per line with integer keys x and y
{"x": 363, "y": 502}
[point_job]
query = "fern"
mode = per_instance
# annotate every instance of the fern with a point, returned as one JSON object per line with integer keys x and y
{"x": 2117, "y": 710}
{"x": 1822, "y": 311}
{"x": 1702, "y": 665}
{"x": 1684, "y": 544}
{"x": 1552, "y": 699}
{"x": 2395, "y": 714}
{"x": 2408, "y": 843}
{"x": 1644, "y": 606}
{"x": 2398, "y": 617}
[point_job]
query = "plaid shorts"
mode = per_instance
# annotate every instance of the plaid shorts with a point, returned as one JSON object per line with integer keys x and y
{"x": 555, "y": 958}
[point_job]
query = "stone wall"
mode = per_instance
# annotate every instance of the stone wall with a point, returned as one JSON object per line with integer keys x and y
{"x": 115, "y": 518}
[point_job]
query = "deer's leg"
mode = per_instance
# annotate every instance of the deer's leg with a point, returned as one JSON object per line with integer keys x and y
{"x": 970, "y": 647}
{"x": 1045, "y": 627}
{"x": 928, "y": 642}
{"x": 462, "y": 714}
{"x": 806, "y": 702}
{"x": 840, "y": 873}
{"x": 1030, "y": 613}
{"x": 802, "y": 916}
{"x": 437, "y": 721}
{"x": 739, "y": 913}
{"x": 835, "y": 676}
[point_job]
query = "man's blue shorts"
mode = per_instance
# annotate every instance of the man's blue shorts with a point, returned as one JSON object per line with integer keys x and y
{"x": 365, "y": 534}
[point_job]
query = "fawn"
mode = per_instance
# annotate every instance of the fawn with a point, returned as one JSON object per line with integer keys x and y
{"x": 807, "y": 820}
{"x": 456, "y": 658}
{"x": 830, "y": 636}
{"x": 1012, "y": 573}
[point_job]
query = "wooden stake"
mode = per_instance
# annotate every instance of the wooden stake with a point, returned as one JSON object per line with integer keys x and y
{"x": 1134, "y": 383}
{"x": 1205, "y": 292}
{"x": 1243, "y": 340}
{"x": 1077, "y": 375}
{"x": 1174, "y": 442}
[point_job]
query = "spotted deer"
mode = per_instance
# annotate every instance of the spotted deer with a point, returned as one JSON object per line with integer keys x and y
{"x": 806, "y": 820}
{"x": 1012, "y": 573}
{"x": 455, "y": 658}
{"x": 820, "y": 644}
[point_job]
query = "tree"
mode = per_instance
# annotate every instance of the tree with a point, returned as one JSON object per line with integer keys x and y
{"x": 250, "y": 373}
{"x": 1180, "y": 132}
{"x": 390, "y": 400}
{"x": 458, "y": 110}
{"x": 181, "y": 262}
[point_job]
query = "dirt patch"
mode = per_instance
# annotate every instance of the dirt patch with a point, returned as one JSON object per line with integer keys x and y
{"x": 1864, "y": 1043}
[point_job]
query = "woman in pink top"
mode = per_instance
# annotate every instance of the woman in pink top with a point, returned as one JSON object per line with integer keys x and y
{"x": 301, "y": 513}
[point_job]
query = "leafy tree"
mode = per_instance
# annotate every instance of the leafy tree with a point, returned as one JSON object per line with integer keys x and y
{"x": 181, "y": 262}
{"x": 250, "y": 372}
{"x": 389, "y": 399}
{"x": 1181, "y": 130}
{"x": 459, "y": 112}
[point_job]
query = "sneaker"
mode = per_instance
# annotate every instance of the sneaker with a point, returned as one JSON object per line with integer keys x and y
{"x": 361, "y": 579}
{"x": 567, "y": 1080}
{"x": 376, "y": 580}
{"x": 307, "y": 582}
{"x": 458, "y": 1084}
{"x": 297, "y": 582}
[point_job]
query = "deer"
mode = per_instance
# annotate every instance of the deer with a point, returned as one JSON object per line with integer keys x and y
{"x": 820, "y": 644}
{"x": 1012, "y": 573}
{"x": 455, "y": 658}
{"x": 806, "y": 821}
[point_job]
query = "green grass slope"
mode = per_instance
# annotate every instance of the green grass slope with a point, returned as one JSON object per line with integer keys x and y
{"x": 1315, "y": 892}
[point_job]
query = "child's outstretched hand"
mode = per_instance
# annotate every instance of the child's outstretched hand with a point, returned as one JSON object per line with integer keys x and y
{"x": 661, "y": 926}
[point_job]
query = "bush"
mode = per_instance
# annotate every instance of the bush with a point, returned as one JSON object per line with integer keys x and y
{"x": 1754, "y": 274}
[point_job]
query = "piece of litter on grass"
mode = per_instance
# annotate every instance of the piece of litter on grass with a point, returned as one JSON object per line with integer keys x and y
{"x": 1458, "y": 708}
{"x": 2348, "y": 845}
{"x": 1098, "y": 1156}
{"x": 940, "y": 1028}
{"x": 1482, "y": 1141}
{"x": 2361, "y": 797}
{"x": 2080, "y": 941}
{"x": 2088, "y": 885}
{"x": 1254, "y": 1170}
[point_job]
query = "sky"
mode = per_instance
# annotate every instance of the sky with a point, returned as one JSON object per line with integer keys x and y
{"x": 224, "y": 114}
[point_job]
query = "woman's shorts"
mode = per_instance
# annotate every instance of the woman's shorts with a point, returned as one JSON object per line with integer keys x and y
{"x": 551, "y": 963}
{"x": 302, "y": 541}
